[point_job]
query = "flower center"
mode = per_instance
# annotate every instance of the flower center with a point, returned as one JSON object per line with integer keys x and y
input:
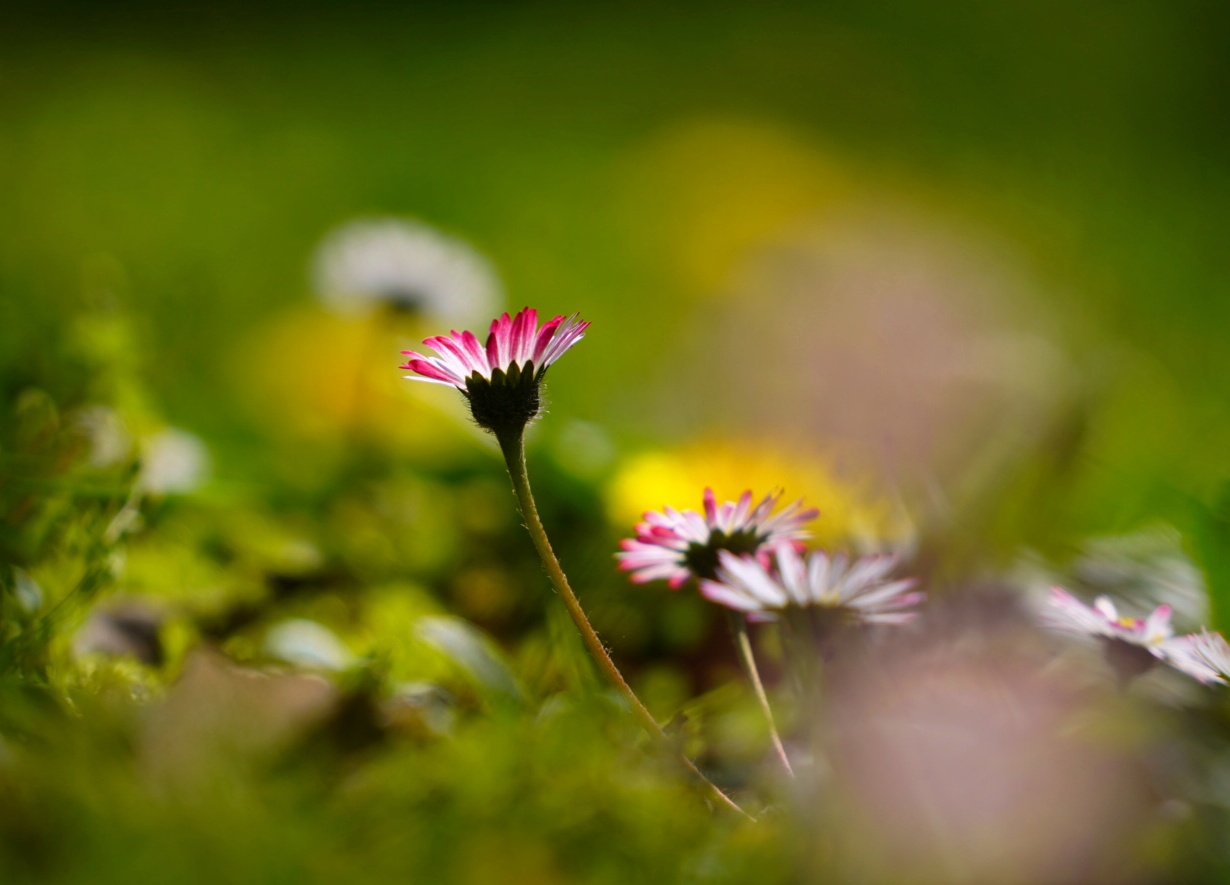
{"x": 702, "y": 559}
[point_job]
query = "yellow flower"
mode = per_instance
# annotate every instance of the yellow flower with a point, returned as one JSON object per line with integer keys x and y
{"x": 714, "y": 191}
{"x": 854, "y": 513}
{"x": 315, "y": 376}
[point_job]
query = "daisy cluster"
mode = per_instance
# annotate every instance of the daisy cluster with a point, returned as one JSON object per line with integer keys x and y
{"x": 752, "y": 560}
{"x": 749, "y": 555}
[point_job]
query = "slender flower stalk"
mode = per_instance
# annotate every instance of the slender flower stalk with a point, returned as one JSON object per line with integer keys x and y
{"x": 513, "y": 447}
{"x": 747, "y": 658}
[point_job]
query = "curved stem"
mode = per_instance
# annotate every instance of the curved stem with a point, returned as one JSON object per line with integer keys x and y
{"x": 743, "y": 642}
{"x": 513, "y": 447}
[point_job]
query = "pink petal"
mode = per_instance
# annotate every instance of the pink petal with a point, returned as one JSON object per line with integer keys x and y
{"x": 478, "y": 356}
{"x": 544, "y": 338}
{"x": 497, "y": 342}
{"x": 431, "y": 372}
{"x": 524, "y": 326}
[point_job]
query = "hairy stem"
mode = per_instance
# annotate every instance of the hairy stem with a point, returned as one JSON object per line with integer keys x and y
{"x": 743, "y": 643}
{"x": 513, "y": 447}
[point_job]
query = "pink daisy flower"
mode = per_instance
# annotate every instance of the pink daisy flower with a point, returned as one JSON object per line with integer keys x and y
{"x": 500, "y": 379}
{"x": 1204, "y": 656}
{"x": 676, "y": 545}
{"x": 860, "y": 590}
{"x": 1066, "y": 612}
{"x": 1134, "y": 645}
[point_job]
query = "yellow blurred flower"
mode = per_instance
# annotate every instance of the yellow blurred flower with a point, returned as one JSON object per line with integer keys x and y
{"x": 854, "y": 513}
{"x": 317, "y": 376}
{"x": 712, "y": 191}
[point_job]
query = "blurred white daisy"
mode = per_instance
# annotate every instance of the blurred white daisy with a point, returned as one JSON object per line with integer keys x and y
{"x": 406, "y": 265}
{"x": 26, "y": 591}
{"x": 308, "y": 645}
{"x": 109, "y": 439}
{"x": 172, "y": 460}
{"x": 860, "y": 590}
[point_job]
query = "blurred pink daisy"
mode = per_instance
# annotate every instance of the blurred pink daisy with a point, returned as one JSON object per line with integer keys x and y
{"x": 676, "y": 545}
{"x": 1134, "y": 645}
{"x": 1204, "y": 656}
{"x": 501, "y": 379}
{"x": 1102, "y": 619}
{"x": 860, "y": 590}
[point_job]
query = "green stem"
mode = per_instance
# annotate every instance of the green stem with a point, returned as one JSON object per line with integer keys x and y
{"x": 743, "y": 642}
{"x": 801, "y": 635}
{"x": 513, "y": 447}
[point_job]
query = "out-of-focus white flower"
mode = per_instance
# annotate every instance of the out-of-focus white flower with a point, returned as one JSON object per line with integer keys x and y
{"x": 404, "y": 264}
{"x": 308, "y": 645}
{"x": 110, "y": 441}
{"x": 172, "y": 460}
{"x": 466, "y": 646}
{"x": 26, "y": 591}
{"x": 860, "y": 589}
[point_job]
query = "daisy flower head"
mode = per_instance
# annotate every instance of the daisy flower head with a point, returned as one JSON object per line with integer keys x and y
{"x": 501, "y": 379}
{"x": 173, "y": 461}
{"x": 1132, "y": 645}
{"x": 405, "y": 265}
{"x": 1102, "y": 619}
{"x": 859, "y": 590}
{"x": 675, "y": 545}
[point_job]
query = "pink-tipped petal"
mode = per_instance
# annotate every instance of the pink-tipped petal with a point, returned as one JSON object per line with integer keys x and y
{"x": 477, "y": 354}
{"x": 545, "y": 334}
{"x": 497, "y": 342}
{"x": 569, "y": 333}
{"x": 524, "y": 328}
{"x": 431, "y": 372}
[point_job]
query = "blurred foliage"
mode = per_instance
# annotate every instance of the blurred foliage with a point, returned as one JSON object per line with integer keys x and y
{"x": 311, "y": 638}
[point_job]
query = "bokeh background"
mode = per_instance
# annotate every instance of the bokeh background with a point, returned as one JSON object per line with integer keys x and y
{"x": 954, "y": 271}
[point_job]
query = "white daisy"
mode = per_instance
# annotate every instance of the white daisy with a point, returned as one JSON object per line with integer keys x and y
{"x": 405, "y": 264}
{"x": 861, "y": 589}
